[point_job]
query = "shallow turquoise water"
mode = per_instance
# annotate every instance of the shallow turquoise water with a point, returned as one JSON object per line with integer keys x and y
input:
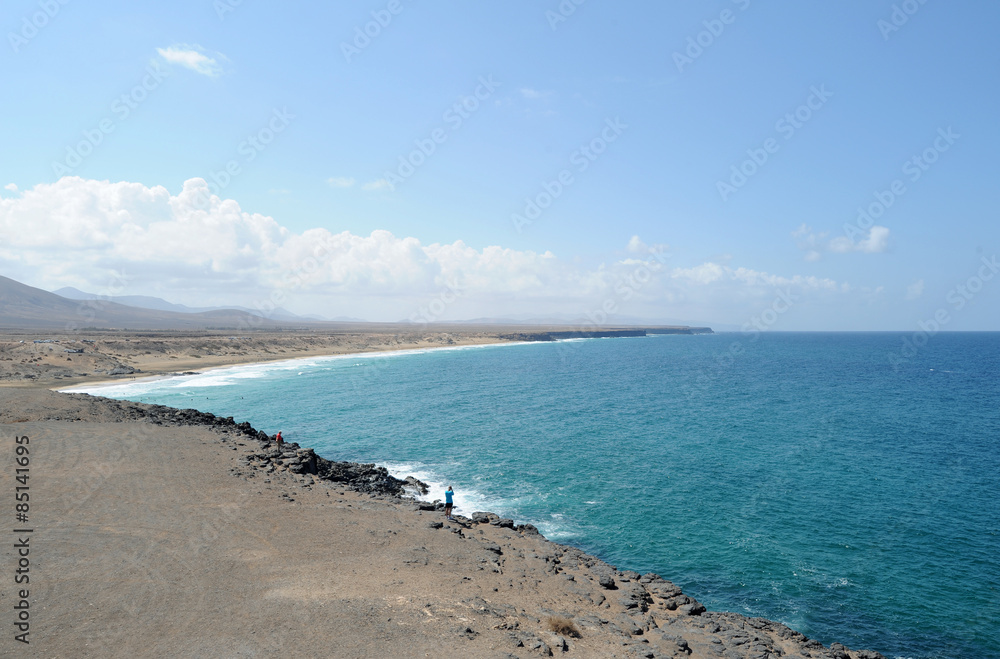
{"x": 803, "y": 479}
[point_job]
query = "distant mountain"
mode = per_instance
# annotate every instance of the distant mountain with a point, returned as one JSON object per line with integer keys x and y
{"x": 159, "y": 304}
{"x": 26, "y": 307}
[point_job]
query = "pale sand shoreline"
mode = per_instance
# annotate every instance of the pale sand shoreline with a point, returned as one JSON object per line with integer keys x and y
{"x": 61, "y": 360}
{"x": 209, "y": 369}
{"x": 143, "y": 354}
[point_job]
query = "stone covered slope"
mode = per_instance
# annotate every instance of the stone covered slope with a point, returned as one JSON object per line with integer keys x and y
{"x": 648, "y": 615}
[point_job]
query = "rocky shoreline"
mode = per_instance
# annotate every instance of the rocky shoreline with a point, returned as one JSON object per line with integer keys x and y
{"x": 651, "y": 616}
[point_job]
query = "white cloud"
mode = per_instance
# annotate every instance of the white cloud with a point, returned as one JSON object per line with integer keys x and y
{"x": 78, "y": 232}
{"x": 870, "y": 295}
{"x": 706, "y": 273}
{"x": 710, "y": 273}
{"x": 192, "y": 57}
{"x": 750, "y": 276}
{"x": 11, "y": 186}
{"x": 876, "y": 242}
{"x": 340, "y": 181}
{"x": 376, "y": 185}
{"x": 636, "y": 246}
{"x": 915, "y": 290}
{"x": 805, "y": 239}
{"x": 540, "y": 102}
{"x": 816, "y": 244}
{"x": 527, "y": 92}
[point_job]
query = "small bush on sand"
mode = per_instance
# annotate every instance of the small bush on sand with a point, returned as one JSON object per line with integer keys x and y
{"x": 563, "y": 626}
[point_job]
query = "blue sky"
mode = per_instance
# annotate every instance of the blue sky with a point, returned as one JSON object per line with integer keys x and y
{"x": 121, "y": 119}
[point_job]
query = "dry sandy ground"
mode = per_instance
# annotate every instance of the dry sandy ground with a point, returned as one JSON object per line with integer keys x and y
{"x": 49, "y": 359}
{"x": 167, "y": 541}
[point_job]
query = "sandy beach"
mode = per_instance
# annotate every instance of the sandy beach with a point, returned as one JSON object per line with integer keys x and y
{"x": 62, "y": 359}
{"x": 161, "y": 533}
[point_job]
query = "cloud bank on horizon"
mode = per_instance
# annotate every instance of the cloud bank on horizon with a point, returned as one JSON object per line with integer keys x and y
{"x": 197, "y": 247}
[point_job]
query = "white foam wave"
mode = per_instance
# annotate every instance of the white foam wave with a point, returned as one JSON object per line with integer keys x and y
{"x": 230, "y": 375}
{"x": 469, "y": 500}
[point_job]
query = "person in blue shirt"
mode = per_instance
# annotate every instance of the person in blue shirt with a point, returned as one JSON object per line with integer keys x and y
{"x": 449, "y": 503}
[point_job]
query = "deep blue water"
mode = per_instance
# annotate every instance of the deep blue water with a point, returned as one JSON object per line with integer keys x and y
{"x": 799, "y": 476}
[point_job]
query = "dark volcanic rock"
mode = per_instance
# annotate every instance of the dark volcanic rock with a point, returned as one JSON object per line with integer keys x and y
{"x": 607, "y": 581}
{"x": 419, "y": 486}
{"x": 492, "y": 546}
{"x": 502, "y": 523}
{"x": 693, "y": 609}
{"x": 361, "y": 477}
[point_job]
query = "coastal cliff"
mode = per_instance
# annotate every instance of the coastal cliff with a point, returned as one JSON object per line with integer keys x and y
{"x": 478, "y": 586}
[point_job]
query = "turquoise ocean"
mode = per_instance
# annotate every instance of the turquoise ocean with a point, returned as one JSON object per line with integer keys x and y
{"x": 803, "y": 477}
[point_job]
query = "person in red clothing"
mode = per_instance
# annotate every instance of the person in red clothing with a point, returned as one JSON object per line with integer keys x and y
{"x": 278, "y": 438}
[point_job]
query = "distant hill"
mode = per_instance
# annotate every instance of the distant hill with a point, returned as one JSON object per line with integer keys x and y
{"x": 26, "y": 307}
{"x": 159, "y": 304}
